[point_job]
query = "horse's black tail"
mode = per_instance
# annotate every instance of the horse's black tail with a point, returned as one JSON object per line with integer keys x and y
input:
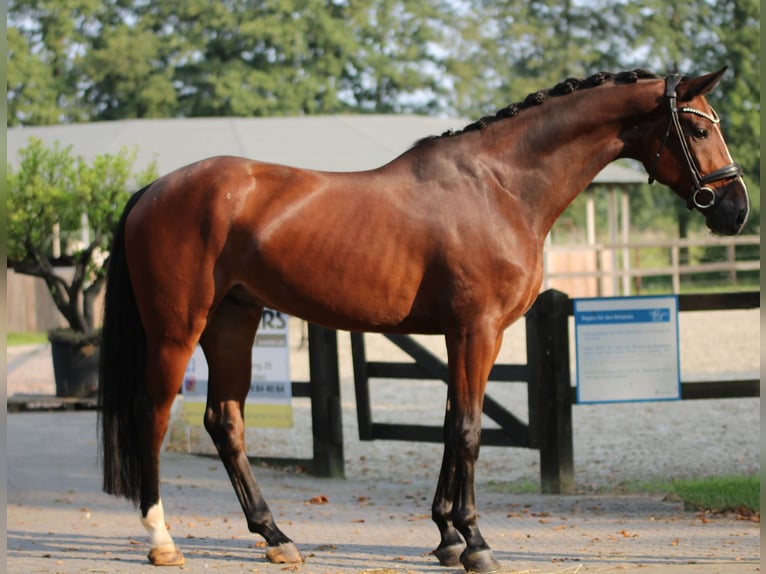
{"x": 121, "y": 377}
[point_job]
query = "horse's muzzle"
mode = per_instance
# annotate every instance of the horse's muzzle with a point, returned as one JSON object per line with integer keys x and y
{"x": 731, "y": 209}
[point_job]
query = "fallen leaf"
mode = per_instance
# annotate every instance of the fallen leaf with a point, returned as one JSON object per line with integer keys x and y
{"x": 319, "y": 499}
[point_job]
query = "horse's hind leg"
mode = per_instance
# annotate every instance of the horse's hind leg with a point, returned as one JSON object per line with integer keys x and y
{"x": 166, "y": 363}
{"x": 227, "y": 343}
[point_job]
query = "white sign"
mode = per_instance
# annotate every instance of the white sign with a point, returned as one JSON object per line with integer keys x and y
{"x": 269, "y": 401}
{"x": 627, "y": 349}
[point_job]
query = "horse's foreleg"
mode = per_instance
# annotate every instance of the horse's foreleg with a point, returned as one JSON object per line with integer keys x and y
{"x": 471, "y": 354}
{"x": 165, "y": 368}
{"x": 227, "y": 343}
{"x": 451, "y": 545}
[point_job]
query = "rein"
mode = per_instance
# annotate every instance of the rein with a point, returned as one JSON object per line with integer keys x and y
{"x": 697, "y": 197}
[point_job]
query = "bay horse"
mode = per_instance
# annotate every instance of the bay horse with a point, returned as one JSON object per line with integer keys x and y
{"x": 445, "y": 239}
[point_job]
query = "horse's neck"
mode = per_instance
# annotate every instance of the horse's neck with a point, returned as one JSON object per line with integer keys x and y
{"x": 548, "y": 154}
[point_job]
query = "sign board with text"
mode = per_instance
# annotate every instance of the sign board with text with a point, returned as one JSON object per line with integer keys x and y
{"x": 627, "y": 349}
{"x": 269, "y": 401}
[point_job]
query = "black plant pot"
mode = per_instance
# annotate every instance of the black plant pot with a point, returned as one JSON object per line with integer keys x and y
{"x": 75, "y": 367}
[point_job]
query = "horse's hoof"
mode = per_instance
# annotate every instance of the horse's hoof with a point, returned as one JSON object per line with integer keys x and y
{"x": 449, "y": 555}
{"x": 166, "y": 556}
{"x": 479, "y": 561}
{"x": 285, "y": 553}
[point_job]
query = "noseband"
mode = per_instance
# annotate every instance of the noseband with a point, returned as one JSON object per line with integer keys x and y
{"x": 701, "y": 196}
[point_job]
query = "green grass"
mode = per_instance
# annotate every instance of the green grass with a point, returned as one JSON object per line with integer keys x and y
{"x": 657, "y": 485}
{"x": 721, "y": 494}
{"x": 520, "y": 486}
{"x": 716, "y": 494}
{"x": 27, "y": 339}
{"x": 740, "y": 494}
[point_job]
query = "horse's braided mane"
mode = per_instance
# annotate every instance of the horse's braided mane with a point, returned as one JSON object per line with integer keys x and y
{"x": 536, "y": 98}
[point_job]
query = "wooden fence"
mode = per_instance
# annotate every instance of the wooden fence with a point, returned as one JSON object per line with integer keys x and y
{"x": 612, "y": 269}
{"x": 549, "y": 385}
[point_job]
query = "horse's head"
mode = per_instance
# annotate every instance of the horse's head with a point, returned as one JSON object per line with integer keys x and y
{"x": 692, "y": 158}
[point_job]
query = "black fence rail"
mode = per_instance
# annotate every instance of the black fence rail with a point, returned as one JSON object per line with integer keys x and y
{"x": 549, "y": 388}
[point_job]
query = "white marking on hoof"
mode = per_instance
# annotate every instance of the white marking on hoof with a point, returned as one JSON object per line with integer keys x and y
{"x": 159, "y": 539}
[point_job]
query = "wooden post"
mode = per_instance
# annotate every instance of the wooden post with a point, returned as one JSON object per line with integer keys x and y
{"x": 326, "y": 413}
{"x": 56, "y": 246}
{"x": 590, "y": 216}
{"x": 613, "y": 242}
{"x": 625, "y": 229}
{"x": 731, "y": 259}
{"x": 549, "y": 391}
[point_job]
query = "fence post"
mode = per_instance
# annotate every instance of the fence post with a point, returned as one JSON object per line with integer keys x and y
{"x": 549, "y": 390}
{"x": 675, "y": 261}
{"x": 731, "y": 259}
{"x": 326, "y": 414}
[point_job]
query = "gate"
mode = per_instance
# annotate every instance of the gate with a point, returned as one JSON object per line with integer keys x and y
{"x": 546, "y": 374}
{"x": 550, "y": 395}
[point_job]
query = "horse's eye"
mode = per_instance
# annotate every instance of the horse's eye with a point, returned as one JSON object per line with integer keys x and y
{"x": 700, "y": 133}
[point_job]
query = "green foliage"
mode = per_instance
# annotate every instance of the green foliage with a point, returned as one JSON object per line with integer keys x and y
{"x": 52, "y": 187}
{"x": 16, "y": 339}
{"x": 108, "y": 59}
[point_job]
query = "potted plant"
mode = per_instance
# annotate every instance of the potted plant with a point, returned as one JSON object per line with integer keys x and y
{"x": 62, "y": 210}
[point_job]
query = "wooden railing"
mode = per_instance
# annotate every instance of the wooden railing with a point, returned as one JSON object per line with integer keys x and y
{"x": 616, "y": 262}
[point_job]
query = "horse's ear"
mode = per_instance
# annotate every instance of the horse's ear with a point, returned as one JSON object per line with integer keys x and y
{"x": 699, "y": 86}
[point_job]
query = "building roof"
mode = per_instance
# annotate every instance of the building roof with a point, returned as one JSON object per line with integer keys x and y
{"x": 335, "y": 143}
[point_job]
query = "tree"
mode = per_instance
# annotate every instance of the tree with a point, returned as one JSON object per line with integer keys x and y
{"x": 125, "y": 78}
{"x": 52, "y": 188}
{"x": 31, "y": 94}
{"x": 110, "y": 59}
{"x": 46, "y": 39}
{"x": 397, "y": 65}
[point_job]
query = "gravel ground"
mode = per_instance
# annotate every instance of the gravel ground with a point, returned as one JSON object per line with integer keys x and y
{"x": 615, "y": 444}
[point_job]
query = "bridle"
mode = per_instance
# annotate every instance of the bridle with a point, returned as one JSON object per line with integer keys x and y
{"x": 701, "y": 196}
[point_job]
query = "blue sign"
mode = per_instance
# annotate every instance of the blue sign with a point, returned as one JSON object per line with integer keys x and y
{"x": 627, "y": 349}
